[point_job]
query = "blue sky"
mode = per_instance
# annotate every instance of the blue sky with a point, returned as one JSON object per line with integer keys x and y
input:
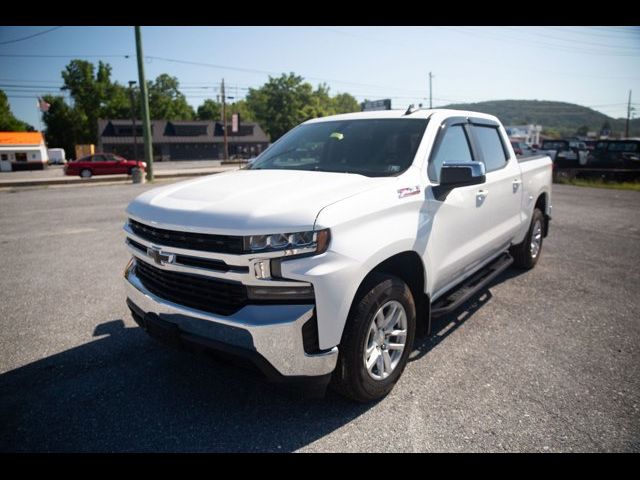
{"x": 592, "y": 66}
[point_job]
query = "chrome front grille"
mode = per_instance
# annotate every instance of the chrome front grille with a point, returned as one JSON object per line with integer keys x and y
{"x": 188, "y": 240}
{"x": 194, "y": 291}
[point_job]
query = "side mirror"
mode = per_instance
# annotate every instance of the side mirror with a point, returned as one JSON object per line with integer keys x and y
{"x": 454, "y": 175}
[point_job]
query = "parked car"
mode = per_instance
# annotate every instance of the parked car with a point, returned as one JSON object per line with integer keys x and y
{"x": 522, "y": 149}
{"x": 566, "y": 153}
{"x": 102, "y": 164}
{"x": 341, "y": 240}
{"x": 517, "y": 147}
{"x": 613, "y": 154}
{"x": 591, "y": 144}
{"x": 56, "y": 156}
{"x": 553, "y": 147}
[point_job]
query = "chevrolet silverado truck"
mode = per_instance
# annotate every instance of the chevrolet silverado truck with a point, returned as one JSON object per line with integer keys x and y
{"x": 321, "y": 260}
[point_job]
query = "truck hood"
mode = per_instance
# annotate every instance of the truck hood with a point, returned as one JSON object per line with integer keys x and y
{"x": 246, "y": 202}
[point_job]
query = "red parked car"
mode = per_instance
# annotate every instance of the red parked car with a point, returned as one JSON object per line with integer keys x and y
{"x": 102, "y": 164}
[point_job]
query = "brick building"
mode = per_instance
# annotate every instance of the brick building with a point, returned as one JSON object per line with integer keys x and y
{"x": 182, "y": 140}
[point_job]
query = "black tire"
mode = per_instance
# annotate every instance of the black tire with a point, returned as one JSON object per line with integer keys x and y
{"x": 522, "y": 253}
{"x": 85, "y": 173}
{"x": 351, "y": 378}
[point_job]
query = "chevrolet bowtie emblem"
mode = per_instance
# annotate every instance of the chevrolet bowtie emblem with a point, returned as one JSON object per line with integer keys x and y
{"x": 159, "y": 257}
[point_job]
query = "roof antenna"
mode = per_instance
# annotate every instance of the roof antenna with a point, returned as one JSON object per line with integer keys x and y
{"x": 411, "y": 109}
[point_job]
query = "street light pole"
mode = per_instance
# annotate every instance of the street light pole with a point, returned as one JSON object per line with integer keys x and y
{"x": 626, "y": 131}
{"x": 146, "y": 122}
{"x": 224, "y": 122}
{"x": 133, "y": 119}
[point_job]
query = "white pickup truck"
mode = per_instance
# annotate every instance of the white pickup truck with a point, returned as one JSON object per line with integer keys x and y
{"x": 322, "y": 259}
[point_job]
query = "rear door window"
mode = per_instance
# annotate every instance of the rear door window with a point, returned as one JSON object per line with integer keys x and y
{"x": 493, "y": 151}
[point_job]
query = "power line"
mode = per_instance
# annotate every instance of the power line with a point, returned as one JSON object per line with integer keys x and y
{"x": 29, "y": 55}
{"x": 8, "y": 85}
{"x": 592, "y": 32}
{"x": 264, "y": 72}
{"x": 625, "y": 47}
{"x": 538, "y": 44}
{"x": 622, "y": 31}
{"x": 26, "y": 80}
{"x": 29, "y": 36}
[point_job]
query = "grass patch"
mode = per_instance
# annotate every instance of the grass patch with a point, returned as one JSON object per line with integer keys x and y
{"x": 595, "y": 183}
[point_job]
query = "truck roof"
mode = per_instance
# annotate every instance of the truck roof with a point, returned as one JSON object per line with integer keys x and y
{"x": 400, "y": 113}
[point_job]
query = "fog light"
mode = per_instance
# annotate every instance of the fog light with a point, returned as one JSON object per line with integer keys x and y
{"x": 280, "y": 293}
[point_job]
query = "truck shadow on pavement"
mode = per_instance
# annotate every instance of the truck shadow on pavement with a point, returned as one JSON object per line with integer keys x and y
{"x": 126, "y": 392}
{"x": 444, "y": 326}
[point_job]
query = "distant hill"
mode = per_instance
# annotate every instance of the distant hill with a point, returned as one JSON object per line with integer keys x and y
{"x": 555, "y": 117}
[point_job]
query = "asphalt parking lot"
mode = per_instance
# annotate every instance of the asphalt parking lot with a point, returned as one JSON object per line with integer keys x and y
{"x": 547, "y": 360}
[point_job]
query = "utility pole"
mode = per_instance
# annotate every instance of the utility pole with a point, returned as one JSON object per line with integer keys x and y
{"x": 430, "y": 98}
{"x": 133, "y": 119}
{"x": 146, "y": 122}
{"x": 224, "y": 121}
{"x": 628, "y": 115}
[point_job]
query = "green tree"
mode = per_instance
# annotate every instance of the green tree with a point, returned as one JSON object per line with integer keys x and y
{"x": 278, "y": 104}
{"x": 209, "y": 110}
{"x": 91, "y": 91}
{"x": 64, "y": 124}
{"x": 212, "y": 110}
{"x": 166, "y": 101}
{"x": 8, "y": 122}
{"x": 582, "y": 131}
{"x": 606, "y": 127}
{"x": 552, "y": 133}
{"x": 320, "y": 104}
{"x": 345, "y": 103}
{"x": 118, "y": 105}
{"x": 241, "y": 107}
{"x": 284, "y": 102}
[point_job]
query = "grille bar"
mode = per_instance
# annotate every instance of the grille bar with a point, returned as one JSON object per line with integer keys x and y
{"x": 198, "y": 262}
{"x": 188, "y": 240}
{"x": 207, "y": 294}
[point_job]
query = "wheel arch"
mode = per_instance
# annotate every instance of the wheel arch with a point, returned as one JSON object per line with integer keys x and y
{"x": 409, "y": 267}
{"x": 542, "y": 203}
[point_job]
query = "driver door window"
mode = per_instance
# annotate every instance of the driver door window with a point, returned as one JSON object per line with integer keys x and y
{"x": 454, "y": 147}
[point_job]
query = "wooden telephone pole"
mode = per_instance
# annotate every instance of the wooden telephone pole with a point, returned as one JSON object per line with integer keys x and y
{"x": 626, "y": 134}
{"x": 430, "y": 98}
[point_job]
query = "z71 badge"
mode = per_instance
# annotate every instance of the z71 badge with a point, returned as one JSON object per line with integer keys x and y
{"x": 408, "y": 191}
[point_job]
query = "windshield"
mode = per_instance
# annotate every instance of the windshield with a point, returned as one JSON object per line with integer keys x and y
{"x": 371, "y": 147}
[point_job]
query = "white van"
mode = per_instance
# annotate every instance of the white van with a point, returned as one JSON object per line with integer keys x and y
{"x": 56, "y": 156}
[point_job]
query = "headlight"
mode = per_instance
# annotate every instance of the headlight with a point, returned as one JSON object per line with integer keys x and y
{"x": 290, "y": 243}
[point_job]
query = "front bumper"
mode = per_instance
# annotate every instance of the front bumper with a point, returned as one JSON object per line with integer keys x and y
{"x": 272, "y": 333}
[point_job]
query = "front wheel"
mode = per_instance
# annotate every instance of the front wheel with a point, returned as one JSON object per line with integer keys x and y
{"x": 377, "y": 340}
{"x": 85, "y": 173}
{"x": 526, "y": 254}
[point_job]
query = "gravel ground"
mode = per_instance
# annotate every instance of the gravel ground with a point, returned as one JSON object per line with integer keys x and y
{"x": 546, "y": 360}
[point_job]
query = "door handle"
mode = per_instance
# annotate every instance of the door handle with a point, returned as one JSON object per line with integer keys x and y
{"x": 482, "y": 193}
{"x": 516, "y": 184}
